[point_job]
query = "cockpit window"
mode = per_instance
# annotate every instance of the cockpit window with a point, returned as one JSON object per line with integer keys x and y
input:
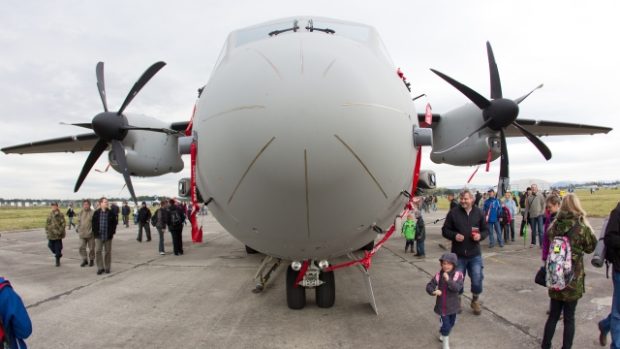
{"x": 355, "y": 32}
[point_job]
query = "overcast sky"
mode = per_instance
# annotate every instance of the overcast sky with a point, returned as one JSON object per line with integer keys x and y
{"x": 49, "y": 50}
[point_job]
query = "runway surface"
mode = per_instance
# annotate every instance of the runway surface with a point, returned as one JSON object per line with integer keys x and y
{"x": 203, "y": 299}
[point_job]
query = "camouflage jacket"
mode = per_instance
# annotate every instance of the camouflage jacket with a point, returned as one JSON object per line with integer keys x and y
{"x": 55, "y": 227}
{"x": 582, "y": 240}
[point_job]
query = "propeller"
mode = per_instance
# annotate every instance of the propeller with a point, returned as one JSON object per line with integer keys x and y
{"x": 112, "y": 127}
{"x": 498, "y": 113}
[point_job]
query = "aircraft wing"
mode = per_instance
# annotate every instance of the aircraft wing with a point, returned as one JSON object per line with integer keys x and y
{"x": 82, "y": 142}
{"x": 540, "y": 127}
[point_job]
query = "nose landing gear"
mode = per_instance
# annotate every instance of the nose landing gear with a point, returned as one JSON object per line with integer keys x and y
{"x": 323, "y": 282}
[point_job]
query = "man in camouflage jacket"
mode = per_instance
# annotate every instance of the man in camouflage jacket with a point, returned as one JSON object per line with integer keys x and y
{"x": 55, "y": 230}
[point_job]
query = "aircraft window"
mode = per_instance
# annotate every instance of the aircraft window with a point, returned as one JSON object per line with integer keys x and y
{"x": 258, "y": 33}
{"x": 351, "y": 31}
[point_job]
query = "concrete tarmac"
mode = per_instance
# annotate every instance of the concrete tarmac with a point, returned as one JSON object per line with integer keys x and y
{"x": 203, "y": 299}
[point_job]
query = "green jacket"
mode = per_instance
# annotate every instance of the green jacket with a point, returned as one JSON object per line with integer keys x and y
{"x": 582, "y": 240}
{"x": 408, "y": 230}
{"x": 55, "y": 226}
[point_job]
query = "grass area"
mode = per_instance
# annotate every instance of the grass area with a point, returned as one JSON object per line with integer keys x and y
{"x": 13, "y": 218}
{"x": 598, "y": 204}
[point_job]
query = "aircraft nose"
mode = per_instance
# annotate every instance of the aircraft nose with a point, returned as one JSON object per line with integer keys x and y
{"x": 302, "y": 130}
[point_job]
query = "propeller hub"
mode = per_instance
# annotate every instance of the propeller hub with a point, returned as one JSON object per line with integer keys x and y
{"x": 109, "y": 126}
{"x": 502, "y": 113}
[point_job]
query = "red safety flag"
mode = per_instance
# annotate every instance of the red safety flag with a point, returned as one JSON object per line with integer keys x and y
{"x": 428, "y": 116}
{"x": 196, "y": 230}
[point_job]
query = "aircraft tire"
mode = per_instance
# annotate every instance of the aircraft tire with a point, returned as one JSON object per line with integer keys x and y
{"x": 326, "y": 293}
{"x": 250, "y": 250}
{"x": 295, "y": 296}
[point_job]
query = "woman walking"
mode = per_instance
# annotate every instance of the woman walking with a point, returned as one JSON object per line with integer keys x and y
{"x": 571, "y": 223}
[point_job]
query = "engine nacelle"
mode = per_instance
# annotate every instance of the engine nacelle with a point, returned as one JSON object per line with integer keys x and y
{"x": 455, "y": 126}
{"x": 472, "y": 152}
{"x": 149, "y": 154}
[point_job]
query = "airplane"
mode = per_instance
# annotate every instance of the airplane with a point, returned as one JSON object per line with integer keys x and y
{"x": 306, "y": 138}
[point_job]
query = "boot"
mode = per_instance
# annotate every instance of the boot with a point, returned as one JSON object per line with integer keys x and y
{"x": 446, "y": 342}
{"x": 57, "y": 261}
{"x": 92, "y": 263}
{"x": 84, "y": 263}
{"x": 475, "y": 306}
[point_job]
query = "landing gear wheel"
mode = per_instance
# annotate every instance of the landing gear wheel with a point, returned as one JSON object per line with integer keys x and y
{"x": 295, "y": 296}
{"x": 250, "y": 250}
{"x": 368, "y": 247}
{"x": 326, "y": 293}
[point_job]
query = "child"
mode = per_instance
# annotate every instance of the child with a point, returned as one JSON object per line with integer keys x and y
{"x": 420, "y": 235}
{"x": 408, "y": 230}
{"x": 446, "y": 285}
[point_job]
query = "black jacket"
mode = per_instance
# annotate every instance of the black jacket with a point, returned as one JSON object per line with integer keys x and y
{"x": 459, "y": 222}
{"x": 169, "y": 219}
{"x": 612, "y": 238}
{"x": 144, "y": 214}
{"x": 112, "y": 223}
{"x": 420, "y": 231}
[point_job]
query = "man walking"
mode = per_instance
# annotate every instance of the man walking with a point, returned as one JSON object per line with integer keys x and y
{"x": 70, "y": 215}
{"x": 174, "y": 221}
{"x": 125, "y": 210}
{"x": 55, "y": 230}
{"x": 465, "y": 226}
{"x": 144, "y": 217}
{"x": 161, "y": 216}
{"x": 612, "y": 245}
{"x": 104, "y": 228}
{"x": 492, "y": 208}
{"x": 85, "y": 232}
{"x": 535, "y": 207}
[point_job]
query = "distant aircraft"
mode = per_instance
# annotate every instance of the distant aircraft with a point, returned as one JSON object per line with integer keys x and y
{"x": 306, "y": 138}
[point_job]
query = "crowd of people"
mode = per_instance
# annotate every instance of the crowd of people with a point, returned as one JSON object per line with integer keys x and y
{"x": 564, "y": 235}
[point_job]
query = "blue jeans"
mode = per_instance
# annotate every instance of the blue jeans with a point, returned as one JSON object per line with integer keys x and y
{"x": 447, "y": 322}
{"x": 419, "y": 247}
{"x": 612, "y": 322}
{"x": 498, "y": 230}
{"x": 537, "y": 229}
{"x": 473, "y": 266}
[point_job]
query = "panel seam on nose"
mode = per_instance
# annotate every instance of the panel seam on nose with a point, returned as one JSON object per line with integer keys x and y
{"x": 260, "y": 152}
{"x": 363, "y": 165}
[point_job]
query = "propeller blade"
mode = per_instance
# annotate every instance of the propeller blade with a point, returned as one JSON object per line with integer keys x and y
{"x": 87, "y": 125}
{"x": 162, "y": 130}
{"x": 520, "y": 99}
{"x": 496, "y": 84}
{"x": 503, "y": 170}
{"x": 146, "y": 76}
{"x": 101, "y": 85}
{"x": 119, "y": 155}
{"x": 503, "y": 183}
{"x": 542, "y": 148}
{"x": 484, "y": 125}
{"x": 95, "y": 153}
{"x": 472, "y": 95}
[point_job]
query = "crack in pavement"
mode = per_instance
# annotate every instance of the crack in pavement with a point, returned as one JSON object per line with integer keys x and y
{"x": 519, "y": 327}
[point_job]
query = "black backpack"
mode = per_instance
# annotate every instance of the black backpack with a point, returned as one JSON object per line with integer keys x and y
{"x": 154, "y": 218}
{"x": 175, "y": 218}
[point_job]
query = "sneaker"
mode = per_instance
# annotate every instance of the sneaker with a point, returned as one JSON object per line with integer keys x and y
{"x": 475, "y": 306}
{"x": 84, "y": 263}
{"x": 91, "y": 263}
{"x": 100, "y": 271}
{"x": 57, "y": 261}
{"x": 446, "y": 342}
{"x": 107, "y": 271}
{"x": 162, "y": 253}
{"x": 440, "y": 337}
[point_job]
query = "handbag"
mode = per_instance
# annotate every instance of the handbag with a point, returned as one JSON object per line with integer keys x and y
{"x": 541, "y": 276}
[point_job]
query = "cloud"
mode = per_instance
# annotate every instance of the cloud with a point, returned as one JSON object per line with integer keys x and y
{"x": 50, "y": 51}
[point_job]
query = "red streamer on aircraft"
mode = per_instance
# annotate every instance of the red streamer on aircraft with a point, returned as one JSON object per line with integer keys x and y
{"x": 428, "y": 116}
{"x": 473, "y": 174}
{"x": 489, "y": 155}
{"x": 196, "y": 231}
{"x": 366, "y": 261}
